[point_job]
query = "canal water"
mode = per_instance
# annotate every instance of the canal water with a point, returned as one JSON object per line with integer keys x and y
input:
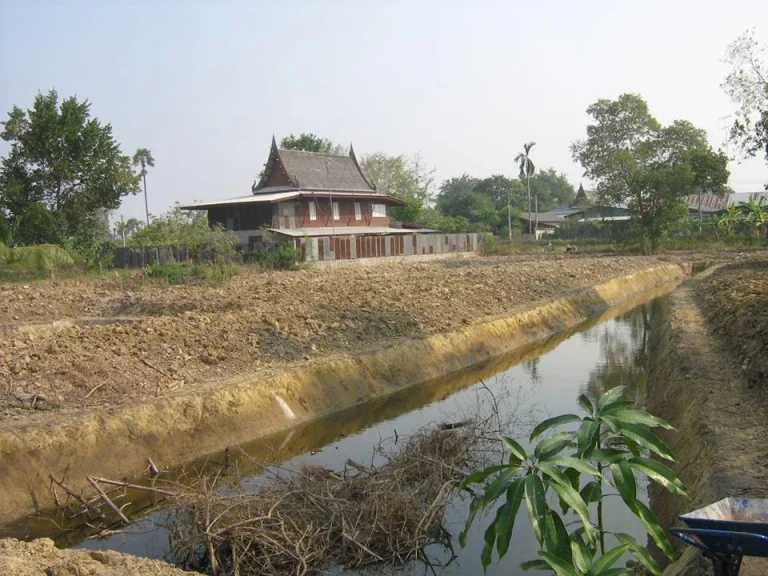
{"x": 526, "y": 385}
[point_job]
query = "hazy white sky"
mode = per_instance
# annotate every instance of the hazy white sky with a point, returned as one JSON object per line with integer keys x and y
{"x": 205, "y": 85}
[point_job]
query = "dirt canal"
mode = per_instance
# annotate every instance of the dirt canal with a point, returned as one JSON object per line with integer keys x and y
{"x": 523, "y": 387}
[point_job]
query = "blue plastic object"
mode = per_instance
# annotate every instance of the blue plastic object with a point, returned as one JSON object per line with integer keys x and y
{"x": 726, "y": 531}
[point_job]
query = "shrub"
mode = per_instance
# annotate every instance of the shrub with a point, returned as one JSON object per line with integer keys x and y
{"x": 283, "y": 256}
{"x": 183, "y": 273}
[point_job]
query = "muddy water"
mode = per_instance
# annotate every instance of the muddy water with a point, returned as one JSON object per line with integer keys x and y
{"x": 527, "y": 385}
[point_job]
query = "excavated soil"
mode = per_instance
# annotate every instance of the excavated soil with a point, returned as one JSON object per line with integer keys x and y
{"x": 708, "y": 348}
{"x": 74, "y": 344}
{"x": 735, "y": 300}
{"x": 40, "y": 558}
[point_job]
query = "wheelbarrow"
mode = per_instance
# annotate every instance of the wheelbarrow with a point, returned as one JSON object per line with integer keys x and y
{"x": 726, "y": 531}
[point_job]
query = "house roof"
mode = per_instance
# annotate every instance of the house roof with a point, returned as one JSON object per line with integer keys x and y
{"x": 291, "y": 194}
{"x": 343, "y": 231}
{"x": 544, "y": 217}
{"x": 316, "y": 171}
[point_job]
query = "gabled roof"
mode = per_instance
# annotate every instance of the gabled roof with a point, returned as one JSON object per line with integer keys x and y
{"x": 316, "y": 171}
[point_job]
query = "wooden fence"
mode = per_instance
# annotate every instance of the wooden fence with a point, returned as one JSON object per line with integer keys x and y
{"x": 330, "y": 248}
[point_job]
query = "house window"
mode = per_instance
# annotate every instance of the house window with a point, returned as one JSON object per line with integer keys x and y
{"x": 358, "y": 211}
{"x": 336, "y": 215}
{"x": 312, "y": 210}
{"x": 379, "y": 211}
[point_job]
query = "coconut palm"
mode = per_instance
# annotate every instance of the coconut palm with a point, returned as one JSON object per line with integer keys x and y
{"x": 143, "y": 158}
{"x": 527, "y": 168}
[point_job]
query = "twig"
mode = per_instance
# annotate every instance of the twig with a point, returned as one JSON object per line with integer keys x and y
{"x": 137, "y": 487}
{"x": 96, "y": 388}
{"x": 107, "y": 501}
{"x": 209, "y": 543}
{"x": 76, "y": 496}
{"x": 148, "y": 363}
{"x": 152, "y": 468}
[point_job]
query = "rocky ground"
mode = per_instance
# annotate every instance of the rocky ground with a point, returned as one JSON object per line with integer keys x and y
{"x": 72, "y": 344}
{"x": 41, "y": 558}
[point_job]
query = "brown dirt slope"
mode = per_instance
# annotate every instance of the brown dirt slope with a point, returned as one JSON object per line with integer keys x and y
{"x": 42, "y": 558}
{"x": 119, "y": 339}
{"x": 735, "y": 300}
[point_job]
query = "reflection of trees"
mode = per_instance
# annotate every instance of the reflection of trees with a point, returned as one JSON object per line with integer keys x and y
{"x": 532, "y": 367}
{"x": 624, "y": 355}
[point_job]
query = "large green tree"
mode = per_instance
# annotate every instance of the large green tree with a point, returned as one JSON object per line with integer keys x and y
{"x": 637, "y": 162}
{"x": 310, "y": 143}
{"x": 747, "y": 86}
{"x": 403, "y": 177}
{"x": 62, "y": 170}
{"x": 552, "y": 189}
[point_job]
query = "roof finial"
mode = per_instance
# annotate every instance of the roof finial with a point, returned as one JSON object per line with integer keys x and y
{"x": 351, "y": 150}
{"x": 274, "y": 141}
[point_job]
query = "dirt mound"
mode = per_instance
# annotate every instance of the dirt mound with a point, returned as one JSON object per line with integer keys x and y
{"x": 735, "y": 300}
{"x": 42, "y": 557}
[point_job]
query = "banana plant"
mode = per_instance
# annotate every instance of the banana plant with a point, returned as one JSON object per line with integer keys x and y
{"x": 608, "y": 446}
{"x": 44, "y": 258}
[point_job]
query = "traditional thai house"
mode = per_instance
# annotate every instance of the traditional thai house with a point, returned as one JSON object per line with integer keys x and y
{"x": 305, "y": 194}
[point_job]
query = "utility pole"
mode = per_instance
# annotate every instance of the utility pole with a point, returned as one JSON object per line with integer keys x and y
{"x": 122, "y": 229}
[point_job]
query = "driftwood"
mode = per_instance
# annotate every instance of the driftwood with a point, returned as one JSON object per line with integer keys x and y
{"x": 107, "y": 501}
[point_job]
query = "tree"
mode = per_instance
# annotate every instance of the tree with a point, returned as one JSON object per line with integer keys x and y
{"x": 62, "y": 168}
{"x": 637, "y": 162}
{"x": 527, "y": 168}
{"x": 747, "y": 86}
{"x": 310, "y": 143}
{"x": 126, "y": 228}
{"x": 143, "y": 158}
{"x": 460, "y": 198}
{"x": 402, "y": 177}
{"x": 728, "y": 219}
{"x": 552, "y": 189}
{"x": 755, "y": 214}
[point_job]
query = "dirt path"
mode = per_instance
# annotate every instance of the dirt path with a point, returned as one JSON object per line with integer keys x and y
{"x": 703, "y": 389}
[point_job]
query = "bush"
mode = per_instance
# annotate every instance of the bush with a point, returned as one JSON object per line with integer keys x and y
{"x": 183, "y": 273}
{"x": 283, "y": 256}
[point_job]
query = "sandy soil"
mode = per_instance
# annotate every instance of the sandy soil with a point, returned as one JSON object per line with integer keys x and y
{"x": 96, "y": 342}
{"x": 41, "y": 558}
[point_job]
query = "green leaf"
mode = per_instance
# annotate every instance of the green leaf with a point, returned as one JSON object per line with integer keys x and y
{"x": 498, "y": 486}
{"x": 661, "y": 474}
{"x": 558, "y": 565}
{"x": 643, "y": 418}
{"x": 481, "y": 475}
{"x": 553, "y": 422}
{"x": 611, "y": 422}
{"x": 537, "y": 505}
{"x": 609, "y": 398}
{"x": 553, "y": 472}
{"x": 651, "y": 524}
{"x": 624, "y": 481}
{"x": 553, "y": 445}
{"x": 586, "y": 404}
{"x": 609, "y": 559}
{"x": 581, "y": 555}
{"x": 577, "y": 464}
{"x": 640, "y": 552}
{"x": 646, "y": 439}
{"x": 574, "y": 500}
{"x": 616, "y": 572}
{"x": 514, "y": 447}
{"x": 557, "y": 541}
{"x": 587, "y": 435}
{"x": 608, "y": 455}
{"x": 474, "y": 507}
{"x": 592, "y": 492}
{"x": 489, "y": 537}
{"x": 615, "y": 407}
{"x": 507, "y": 521}
{"x": 534, "y": 565}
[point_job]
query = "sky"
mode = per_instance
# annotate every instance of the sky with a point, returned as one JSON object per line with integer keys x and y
{"x": 205, "y": 85}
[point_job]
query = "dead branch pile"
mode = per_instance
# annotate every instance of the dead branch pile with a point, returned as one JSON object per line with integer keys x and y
{"x": 307, "y": 522}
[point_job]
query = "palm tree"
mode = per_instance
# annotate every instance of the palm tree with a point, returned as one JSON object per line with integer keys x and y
{"x": 523, "y": 159}
{"x": 143, "y": 158}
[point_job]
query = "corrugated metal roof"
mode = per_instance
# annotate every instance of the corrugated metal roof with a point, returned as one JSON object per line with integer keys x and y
{"x": 251, "y": 198}
{"x": 344, "y": 231}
